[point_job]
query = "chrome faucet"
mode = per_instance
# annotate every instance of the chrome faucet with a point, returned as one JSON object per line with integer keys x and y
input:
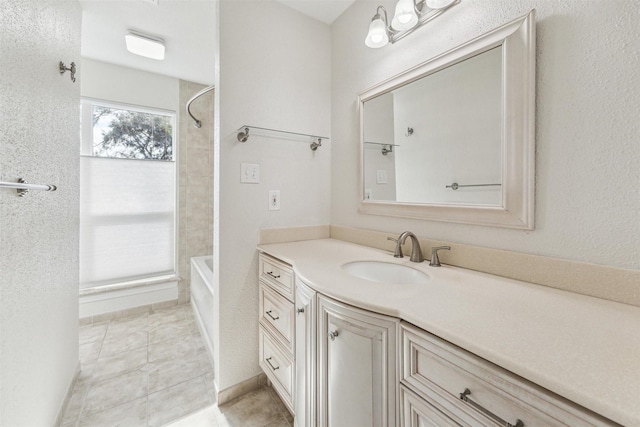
{"x": 416, "y": 252}
{"x": 435, "y": 260}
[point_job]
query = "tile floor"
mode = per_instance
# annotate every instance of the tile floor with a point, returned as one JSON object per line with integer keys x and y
{"x": 152, "y": 370}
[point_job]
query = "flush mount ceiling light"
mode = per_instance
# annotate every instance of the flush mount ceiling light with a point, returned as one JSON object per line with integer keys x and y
{"x": 409, "y": 16}
{"x": 143, "y": 45}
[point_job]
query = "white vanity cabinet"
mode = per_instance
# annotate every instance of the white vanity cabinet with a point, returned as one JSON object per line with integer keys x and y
{"x": 356, "y": 366}
{"x": 445, "y": 385}
{"x": 277, "y": 326}
{"x": 305, "y": 355}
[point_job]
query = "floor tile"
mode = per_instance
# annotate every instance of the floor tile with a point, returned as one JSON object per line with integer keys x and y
{"x": 112, "y": 366}
{"x": 172, "y": 349}
{"x": 120, "y": 344}
{"x": 130, "y": 414}
{"x": 127, "y": 325}
{"x": 92, "y": 333}
{"x": 280, "y": 423}
{"x": 255, "y": 409}
{"x": 165, "y": 317}
{"x": 90, "y": 351}
{"x": 170, "y": 331}
{"x": 115, "y": 391}
{"x": 204, "y": 418}
{"x": 177, "y": 401}
{"x": 169, "y": 372}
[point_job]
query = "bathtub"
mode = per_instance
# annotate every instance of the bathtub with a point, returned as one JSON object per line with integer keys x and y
{"x": 202, "y": 298}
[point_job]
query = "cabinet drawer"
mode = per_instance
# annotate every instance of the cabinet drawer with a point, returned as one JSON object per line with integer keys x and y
{"x": 442, "y": 372}
{"x": 415, "y": 412}
{"x": 278, "y": 274}
{"x": 277, "y": 315}
{"x": 278, "y": 366}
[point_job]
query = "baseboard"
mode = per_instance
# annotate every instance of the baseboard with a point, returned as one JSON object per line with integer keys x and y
{"x": 241, "y": 389}
{"x": 117, "y": 300}
{"x": 72, "y": 385}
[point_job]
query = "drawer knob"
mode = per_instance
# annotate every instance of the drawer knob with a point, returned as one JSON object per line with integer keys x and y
{"x": 268, "y": 360}
{"x": 465, "y": 397}
{"x": 270, "y": 273}
{"x": 300, "y": 310}
{"x": 268, "y": 313}
{"x": 333, "y": 335}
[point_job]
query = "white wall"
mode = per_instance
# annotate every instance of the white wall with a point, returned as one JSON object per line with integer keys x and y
{"x": 588, "y": 87}
{"x": 111, "y": 82}
{"x": 39, "y": 233}
{"x": 274, "y": 72}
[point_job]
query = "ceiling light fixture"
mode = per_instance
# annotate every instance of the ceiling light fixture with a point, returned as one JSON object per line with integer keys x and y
{"x": 409, "y": 15}
{"x": 143, "y": 45}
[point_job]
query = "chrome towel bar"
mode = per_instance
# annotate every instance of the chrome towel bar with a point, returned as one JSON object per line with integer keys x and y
{"x": 22, "y": 187}
{"x": 455, "y": 185}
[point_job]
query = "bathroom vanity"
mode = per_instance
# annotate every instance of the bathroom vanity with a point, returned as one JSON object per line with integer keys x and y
{"x": 453, "y": 347}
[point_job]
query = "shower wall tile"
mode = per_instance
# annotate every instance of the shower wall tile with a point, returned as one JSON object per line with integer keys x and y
{"x": 195, "y": 175}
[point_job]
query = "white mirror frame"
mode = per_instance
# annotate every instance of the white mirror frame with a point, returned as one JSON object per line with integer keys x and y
{"x": 517, "y": 40}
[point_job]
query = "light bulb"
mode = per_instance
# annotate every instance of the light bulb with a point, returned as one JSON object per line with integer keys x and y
{"x": 377, "y": 36}
{"x": 405, "y": 16}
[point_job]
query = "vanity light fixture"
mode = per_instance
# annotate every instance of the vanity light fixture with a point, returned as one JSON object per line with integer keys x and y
{"x": 143, "y": 45}
{"x": 409, "y": 15}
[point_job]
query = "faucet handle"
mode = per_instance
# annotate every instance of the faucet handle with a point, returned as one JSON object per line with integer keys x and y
{"x": 435, "y": 260}
{"x": 398, "y": 252}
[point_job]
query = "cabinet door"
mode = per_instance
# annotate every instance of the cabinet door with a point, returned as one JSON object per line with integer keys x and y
{"x": 305, "y": 356}
{"x": 356, "y": 369}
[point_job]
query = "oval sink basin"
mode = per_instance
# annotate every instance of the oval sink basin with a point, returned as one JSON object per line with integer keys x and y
{"x": 385, "y": 272}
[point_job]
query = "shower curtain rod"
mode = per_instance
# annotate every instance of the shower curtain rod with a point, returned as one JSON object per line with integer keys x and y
{"x": 198, "y": 123}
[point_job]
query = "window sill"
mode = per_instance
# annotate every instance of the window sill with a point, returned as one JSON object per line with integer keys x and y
{"x": 129, "y": 285}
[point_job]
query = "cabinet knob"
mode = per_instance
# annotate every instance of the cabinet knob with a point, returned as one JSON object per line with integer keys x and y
{"x": 300, "y": 310}
{"x": 333, "y": 335}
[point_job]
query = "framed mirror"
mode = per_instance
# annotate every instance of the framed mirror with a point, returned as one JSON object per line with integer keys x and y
{"x": 452, "y": 139}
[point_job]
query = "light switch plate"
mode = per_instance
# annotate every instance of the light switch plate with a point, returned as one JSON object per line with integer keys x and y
{"x": 249, "y": 173}
{"x": 381, "y": 176}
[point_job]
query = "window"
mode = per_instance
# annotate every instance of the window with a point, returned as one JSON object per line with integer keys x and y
{"x": 127, "y": 193}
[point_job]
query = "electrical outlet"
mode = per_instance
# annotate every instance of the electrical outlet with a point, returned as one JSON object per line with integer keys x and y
{"x": 249, "y": 173}
{"x": 274, "y": 200}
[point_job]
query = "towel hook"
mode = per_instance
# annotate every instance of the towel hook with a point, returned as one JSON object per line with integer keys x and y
{"x": 72, "y": 69}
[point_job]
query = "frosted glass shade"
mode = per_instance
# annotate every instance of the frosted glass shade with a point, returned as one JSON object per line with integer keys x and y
{"x": 438, "y": 4}
{"x": 377, "y": 36}
{"x": 405, "y": 16}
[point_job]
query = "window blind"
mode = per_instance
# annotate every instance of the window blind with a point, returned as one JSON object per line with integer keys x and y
{"x": 127, "y": 220}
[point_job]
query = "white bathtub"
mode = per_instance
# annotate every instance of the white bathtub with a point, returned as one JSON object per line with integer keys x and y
{"x": 202, "y": 298}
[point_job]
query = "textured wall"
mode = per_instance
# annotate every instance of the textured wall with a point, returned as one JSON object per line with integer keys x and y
{"x": 195, "y": 192}
{"x": 39, "y": 233}
{"x": 274, "y": 72}
{"x": 587, "y": 152}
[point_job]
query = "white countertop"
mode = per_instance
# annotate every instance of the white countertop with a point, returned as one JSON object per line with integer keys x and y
{"x": 583, "y": 348}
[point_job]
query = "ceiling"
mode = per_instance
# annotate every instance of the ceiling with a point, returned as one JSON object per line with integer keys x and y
{"x": 186, "y": 26}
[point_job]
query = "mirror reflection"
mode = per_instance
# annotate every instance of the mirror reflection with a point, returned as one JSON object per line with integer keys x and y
{"x": 438, "y": 139}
